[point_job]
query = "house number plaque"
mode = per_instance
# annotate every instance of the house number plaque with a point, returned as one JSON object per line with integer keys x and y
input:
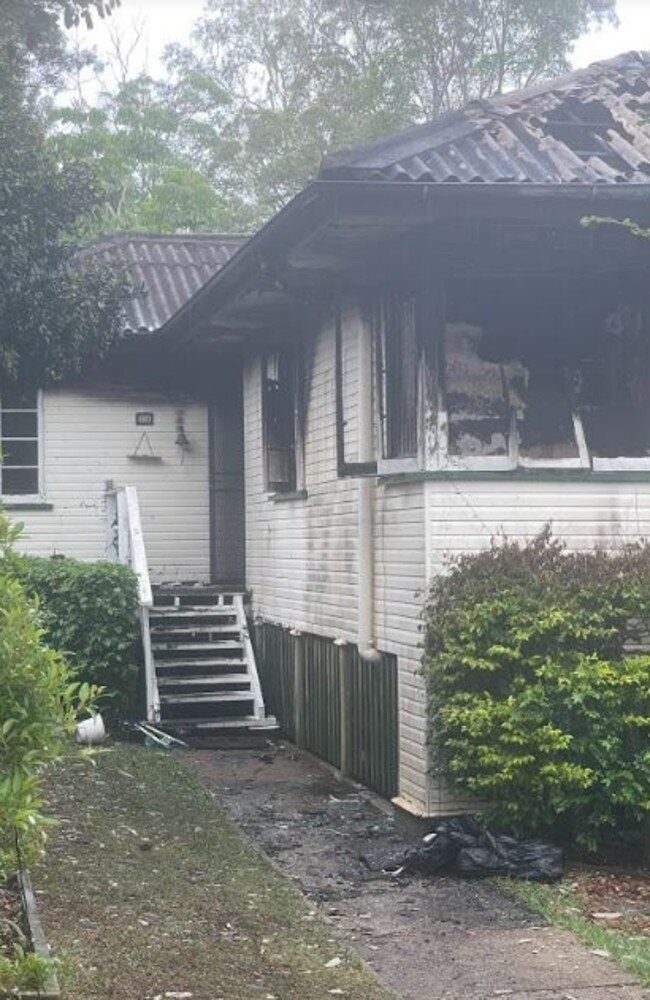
{"x": 144, "y": 419}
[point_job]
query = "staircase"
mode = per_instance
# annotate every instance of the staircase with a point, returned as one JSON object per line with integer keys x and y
{"x": 204, "y": 662}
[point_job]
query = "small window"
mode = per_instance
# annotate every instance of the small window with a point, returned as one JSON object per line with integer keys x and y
{"x": 19, "y": 443}
{"x": 400, "y": 362}
{"x": 280, "y": 419}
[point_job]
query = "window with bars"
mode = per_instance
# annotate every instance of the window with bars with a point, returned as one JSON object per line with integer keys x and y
{"x": 400, "y": 359}
{"x": 20, "y": 457}
{"x": 279, "y": 387}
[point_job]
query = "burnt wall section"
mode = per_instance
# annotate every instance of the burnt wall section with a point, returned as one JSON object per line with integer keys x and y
{"x": 534, "y": 354}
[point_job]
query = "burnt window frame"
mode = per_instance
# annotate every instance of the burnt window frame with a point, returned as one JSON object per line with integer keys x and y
{"x": 348, "y": 312}
{"x": 37, "y": 438}
{"x": 390, "y": 461}
{"x": 294, "y": 484}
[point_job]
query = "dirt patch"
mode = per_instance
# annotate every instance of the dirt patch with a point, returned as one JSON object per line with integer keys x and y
{"x": 614, "y": 899}
{"x": 436, "y": 939}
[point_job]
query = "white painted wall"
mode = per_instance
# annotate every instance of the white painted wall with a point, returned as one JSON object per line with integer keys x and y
{"x": 301, "y": 553}
{"x": 87, "y": 439}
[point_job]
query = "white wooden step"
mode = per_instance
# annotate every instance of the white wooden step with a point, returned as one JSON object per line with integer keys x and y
{"x": 204, "y": 680}
{"x": 215, "y": 696}
{"x": 195, "y": 646}
{"x": 189, "y": 612}
{"x": 240, "y": 722}
{"x": 187, "y": 664}
{"x": 181, "y": 630}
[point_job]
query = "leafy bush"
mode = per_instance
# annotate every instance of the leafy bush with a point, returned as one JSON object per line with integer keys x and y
{"x": 39, "y": 703}
{"x": 89, "y": 614}
{"x": 536, "y": 708}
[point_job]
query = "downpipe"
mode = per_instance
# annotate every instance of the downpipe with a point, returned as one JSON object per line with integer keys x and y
{"x": 367, "y": 496}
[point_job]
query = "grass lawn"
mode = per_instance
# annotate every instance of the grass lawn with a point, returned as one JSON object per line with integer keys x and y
{"x": 148, "y": 891}
{"x": 569, "y": 904}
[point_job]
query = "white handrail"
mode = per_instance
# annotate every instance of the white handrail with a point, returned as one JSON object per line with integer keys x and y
{"x": 125, "y": 544}
{"x": 259, "y": 709}
{"x": 138, "y": 554}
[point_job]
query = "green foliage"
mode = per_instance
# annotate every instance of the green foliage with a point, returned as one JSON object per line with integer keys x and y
{"x": 146, "y": 181}
{"x": 536, "y": 708}
{"x": 631, "y": 225}
{"x": 88, "y": 612}
{"x": 39, "y": 704}
{"x": 25, "y": 971}
{"x": 247, "y": 111}
{"x": 57, "y": 316}
{"x": 281, "y": 83}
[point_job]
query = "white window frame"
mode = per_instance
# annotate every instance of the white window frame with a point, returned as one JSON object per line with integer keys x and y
{"x": 583, "y": 460}
{"x": 16, "y": 498}
{"x": 403, "y": 465}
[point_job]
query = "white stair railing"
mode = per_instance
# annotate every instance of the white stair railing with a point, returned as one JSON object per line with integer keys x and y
{"x": 125, "y": 544}
{"x": 259, "y": 709}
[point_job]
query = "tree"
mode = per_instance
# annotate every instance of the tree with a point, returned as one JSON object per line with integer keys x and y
{"x": 56, "y": 316}
{"x": 134, "y": 140}
{"x": 298, "y": 78}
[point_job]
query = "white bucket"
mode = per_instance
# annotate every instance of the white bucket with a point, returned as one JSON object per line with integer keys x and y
{"x": 91, "y": 730}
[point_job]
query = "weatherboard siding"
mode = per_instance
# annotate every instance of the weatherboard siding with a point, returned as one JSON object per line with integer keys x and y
{"x": 465, "y": 516}
{"x": 302, "y": 552}
{"x": 87, "y": 439}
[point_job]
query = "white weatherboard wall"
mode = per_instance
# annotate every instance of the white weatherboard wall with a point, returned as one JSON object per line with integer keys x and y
{"x": 302, "y": 553}
{"x": 87, "y": 439}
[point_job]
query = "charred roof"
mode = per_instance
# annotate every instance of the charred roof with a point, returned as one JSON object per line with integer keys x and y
{"x": 589, "y": 127}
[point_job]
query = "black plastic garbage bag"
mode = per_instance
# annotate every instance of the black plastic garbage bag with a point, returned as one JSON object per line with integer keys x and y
{"x": 438, "y": 850}
{"x": 533, "y": 860}
{"x": 460, "y": 846}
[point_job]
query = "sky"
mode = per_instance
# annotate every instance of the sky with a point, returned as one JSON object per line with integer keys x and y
{"x": 166, "y": 21}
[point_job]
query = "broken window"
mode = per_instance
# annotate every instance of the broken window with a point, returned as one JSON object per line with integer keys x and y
{"x": 481, "y": 395}
{"x": 279, "y": 389}
{"x": 351, "y": 336}
{"x": 612, "y": 387}
{"x": 547, "y": 372}
{"x": 399, "y": 360}
{"x": 20, "y": 456}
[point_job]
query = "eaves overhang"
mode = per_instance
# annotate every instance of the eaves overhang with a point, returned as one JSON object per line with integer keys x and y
{"x": 387, "y": 209}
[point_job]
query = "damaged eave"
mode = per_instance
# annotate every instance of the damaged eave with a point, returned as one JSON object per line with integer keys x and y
{"x": 392, "y": 209}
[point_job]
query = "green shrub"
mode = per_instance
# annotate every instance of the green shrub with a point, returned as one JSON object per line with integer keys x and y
{"x": 89, "y": 614}
{"x": 39, "y": 701}
{"x": 536, "y": 709}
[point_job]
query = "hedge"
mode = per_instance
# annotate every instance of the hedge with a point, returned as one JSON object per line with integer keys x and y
{"x": 89, "y": 613}
{"x": 536, "y": 707}
{"x": 39, "y": 703}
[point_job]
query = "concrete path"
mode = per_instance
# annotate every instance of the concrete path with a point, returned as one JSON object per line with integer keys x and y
{"x": 434, "y": 939}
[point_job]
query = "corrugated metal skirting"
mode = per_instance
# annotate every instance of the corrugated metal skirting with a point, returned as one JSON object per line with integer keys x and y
{"x": 374, "y": 723}
{"x": 365, "y": 728}
{"x": 274, "y": 656}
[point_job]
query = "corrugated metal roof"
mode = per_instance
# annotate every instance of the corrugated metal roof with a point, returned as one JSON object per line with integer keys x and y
{"x": 589, "y": 127}
{"x": 167, "y": 270}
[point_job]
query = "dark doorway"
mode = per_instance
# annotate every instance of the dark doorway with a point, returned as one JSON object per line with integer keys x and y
{"x": 228, "y": 517}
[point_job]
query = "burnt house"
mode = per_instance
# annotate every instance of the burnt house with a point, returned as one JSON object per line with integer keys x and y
{"x": 437, "y": 350}
{"x": 435, "y": 347}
